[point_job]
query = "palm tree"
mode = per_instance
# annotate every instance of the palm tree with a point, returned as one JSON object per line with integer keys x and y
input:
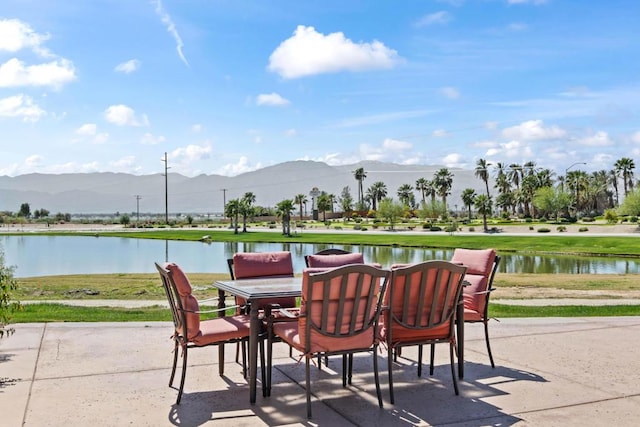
{"x": 377, "y": 192}
{"x": 232, "y": 210}
{"x": 246, "y": 208}
{"x": 443, "y": 179}
{"x": 300, "y": 200}
{"x": 325, "y": 203}
{"x": 283, "y": 210}
{"x": 468, "y": 196}
{"x": 482, "y": 172}
{"x": 483, "y": 206}
{"x": 405, "y": 194}
{"x": 613, "y": 177}
{"x": 625, "y": 167}
{"x": 360, "y": 175}
{"x": 422, "y": 185}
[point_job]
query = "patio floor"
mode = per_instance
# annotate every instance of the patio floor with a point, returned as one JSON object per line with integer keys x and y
{"x": 549, "y": 371}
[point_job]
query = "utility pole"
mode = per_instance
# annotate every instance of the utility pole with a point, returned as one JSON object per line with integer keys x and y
{"x": 166, "y": 189}
{"x": 224, "y": 202}
{"x": 138, "y": 209}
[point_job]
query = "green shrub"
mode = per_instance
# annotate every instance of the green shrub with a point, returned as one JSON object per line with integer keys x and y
{"x": 587, "y": 219}
{"x": 7, "y": 307}
{"x": 472, "y": 229}
{"x": 561, "y": 228}
{"x": 611, "y": 216}
{"x": 544, "y": 230}
{"x": 435, "y": 228}
{"x": 633, "y": 219}
{"x": 583, "y": 229}
{"x": 531, "y": 227}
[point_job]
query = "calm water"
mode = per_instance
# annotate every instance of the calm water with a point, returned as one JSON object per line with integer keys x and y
{"x": 56, "y": 255}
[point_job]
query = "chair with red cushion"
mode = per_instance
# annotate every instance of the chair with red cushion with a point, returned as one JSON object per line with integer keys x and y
{"x": 482, "y": 265}
{"x": 420, "y": 308}
{"x": 333, "y": 257}
{"x": 339, "y": 313}
{"x": 252, "y": 265}
{"x": 189, "y": 330}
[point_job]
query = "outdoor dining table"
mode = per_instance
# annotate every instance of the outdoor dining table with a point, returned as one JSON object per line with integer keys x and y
{"x": 254, "y": 290}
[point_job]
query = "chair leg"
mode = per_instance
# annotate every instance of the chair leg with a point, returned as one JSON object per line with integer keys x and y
{"x": 486, "y": 337}
{"x": 243, "y": 349}
{"x": 344, "y": 370}
{"x": 319, "y": 361}
{"x": 175, "y": 362}
{"x": 238, "y": 352}
{"x": 269, "y": 360}
{"x": 308, "y": 384}
{"x": 184, "y": 374}
{"x": 433, "y": 357}
{"x": 265, "y": 392}
{"x": 420, "y": 360}
{"x": 390, "y": 354}
{"x": 350, "y": 368}
{"x": 221, "y": 359}
{"x": 453, "y": 369}
{"x": 375, "y": 372}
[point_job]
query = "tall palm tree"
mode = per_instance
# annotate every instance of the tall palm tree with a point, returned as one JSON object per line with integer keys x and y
{"x": 405, "y": 194}
{"x": 422, "y": 185}
{"x": 283, "y": 210}
{"x": 232, "y": 210}
{"x": 246, "y": 208}
{"x": 483, "y": 206}
{"x": 360, "y": 175}
{"x": 300, "y": 200}
{"x": 377, "y": 192}
{"x": 625, "y": 167}
{"x": 468, "y": 196}
{"x": 613, "y": 176}
{"x": 443, "y": 179}
{"x": 482, "y": 172}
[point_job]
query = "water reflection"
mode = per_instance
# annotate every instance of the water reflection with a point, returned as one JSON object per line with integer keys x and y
{"x": 54, "y": 255}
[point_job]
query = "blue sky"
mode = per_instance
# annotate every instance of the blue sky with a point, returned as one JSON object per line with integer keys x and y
{"x": 229, "y": 86}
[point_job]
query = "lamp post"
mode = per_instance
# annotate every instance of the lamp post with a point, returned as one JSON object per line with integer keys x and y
{"x": 576, "y": 183}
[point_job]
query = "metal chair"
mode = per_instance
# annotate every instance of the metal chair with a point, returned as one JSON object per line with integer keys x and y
{"x": 339, "y": 314}
{"x": 420, "y": 308}
{"x": 189, "y": 330}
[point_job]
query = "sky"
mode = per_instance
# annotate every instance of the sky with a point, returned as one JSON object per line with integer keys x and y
{"x": 230, "y": 86}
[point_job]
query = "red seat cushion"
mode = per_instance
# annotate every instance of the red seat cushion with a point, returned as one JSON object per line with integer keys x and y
{"x": 336, "y": 260}
{"x": 261, "y": 264}
{"x": 222, "y": 329}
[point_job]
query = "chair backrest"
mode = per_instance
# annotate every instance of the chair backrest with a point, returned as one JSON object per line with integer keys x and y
{"x": 481, "y": 268}
{"x": 332, "y": 258}
{"x": 340, "y": 307}
{"x": 421, "y": 301}
{"x": 184, "y": 306}
{"x": 251, "y": 265}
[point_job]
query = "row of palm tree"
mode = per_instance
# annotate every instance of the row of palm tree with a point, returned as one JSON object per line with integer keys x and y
{"x": 516, "y": 187}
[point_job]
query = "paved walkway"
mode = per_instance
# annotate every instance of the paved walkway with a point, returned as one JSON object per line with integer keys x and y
{"x": 550, "y": 372}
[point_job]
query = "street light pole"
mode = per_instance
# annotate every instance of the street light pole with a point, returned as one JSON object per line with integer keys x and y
{"x": 166, "y": 189}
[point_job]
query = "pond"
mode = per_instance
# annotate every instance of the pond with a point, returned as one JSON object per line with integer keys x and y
{"x": 60, "y": 255}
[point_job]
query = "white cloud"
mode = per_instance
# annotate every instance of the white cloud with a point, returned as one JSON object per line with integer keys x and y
{"x": 123, "y": 115}
{"x": 450, "y": 92}
{"x": 241, "y": 166}
{"x": 636, "y": 137}
{"x": 440, "y": 133}
{"x": 171, "y": 28}
{"x": 191, "y": 153}
{"x": 291, "y": 132}
{"x": 33, "y": 161}
{"x": 197, "y": 128}
{"x": 491, "y": 125}
{"x": 452, "y": 160}
{"x": 16, "y": 35}
{"x": 517, "y": 26}
{"x": 14, "y": 73}
{"x": 128, "y": 67}
{"x": 308, "y": 53}
{"x": 87, "y": 129}
{"x": 533, "y": 130}
{"x": 271, "y": 99}
{"x": 442, "y": 17}
{"x": 396, "y": 145}
{"x": 126, "y": 164}
{"x": 21, "y": 106}
{"x": 150, "y": 139}
{"x": 599, "y": 139}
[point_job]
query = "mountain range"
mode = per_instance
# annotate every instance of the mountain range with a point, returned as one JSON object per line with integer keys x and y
{"x": 109, "y": 193}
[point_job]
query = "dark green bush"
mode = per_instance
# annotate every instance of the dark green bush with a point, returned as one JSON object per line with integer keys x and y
{"x": 544, "y": 230}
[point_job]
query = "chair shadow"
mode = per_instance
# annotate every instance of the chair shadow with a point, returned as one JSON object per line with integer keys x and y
{"x": 6, "y": 381}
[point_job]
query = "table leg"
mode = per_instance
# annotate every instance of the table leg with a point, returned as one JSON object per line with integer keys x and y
{"x": 460, "y": 336}
{"x": 253, "y": 351}
{"x": 221, "y": 306}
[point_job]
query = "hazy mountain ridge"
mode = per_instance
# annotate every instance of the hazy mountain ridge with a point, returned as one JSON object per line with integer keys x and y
{"x": 108, "y": 192}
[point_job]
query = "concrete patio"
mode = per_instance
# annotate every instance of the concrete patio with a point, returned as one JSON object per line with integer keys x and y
{"x": 551, "y": 371}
